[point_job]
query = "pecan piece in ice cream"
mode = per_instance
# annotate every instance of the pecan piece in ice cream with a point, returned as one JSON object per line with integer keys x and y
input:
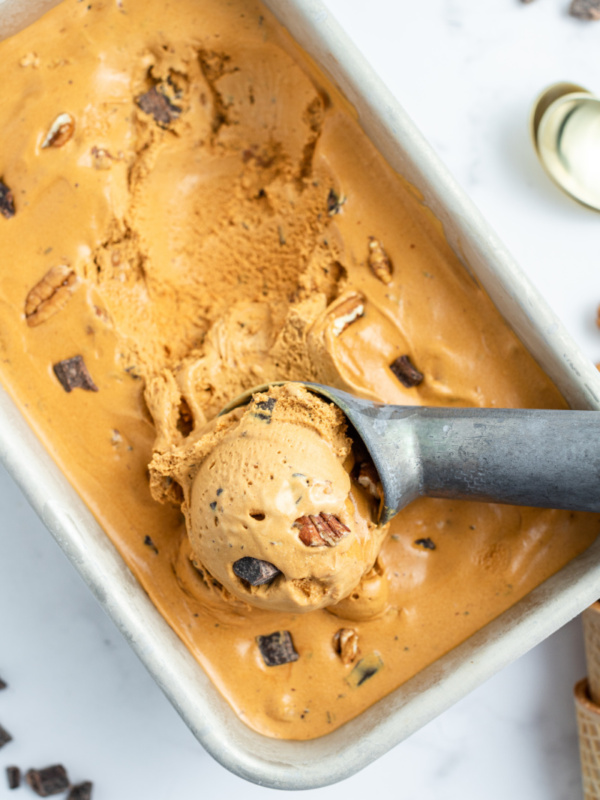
{"x": 159, "y": 106}
{"x": 50, "y": 294}
{"x": 318, "y": 530}
{"x": 345, "y": 644}
{"x": 347, "y": 312}
{"x": 379, "y": 261}
{"x": 60, "y": 131}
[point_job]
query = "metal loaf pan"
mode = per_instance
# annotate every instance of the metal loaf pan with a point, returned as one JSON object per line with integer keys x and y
{"x": 331, "y": 758}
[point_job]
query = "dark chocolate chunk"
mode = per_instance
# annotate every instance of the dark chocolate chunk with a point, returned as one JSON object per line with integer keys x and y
{"x": 585, "y": 9}
{"x": 49, "y": 780}
{"x": 5, "y": 737}
{"x": 81, "y": 791}
{"x": 255, "y": 571}
{"x": 13, "y": 776}
{"x": 264, "y": 408}
{"x": 407, "y": 374}
{"x": 159, "y": 106}
{"x": 364, "y": 669}
{"x": 426, "y": 543}
{"x": 3, "y": 685}
{"x": 73, "y": 374}
{"x": 7, "y": 203}
{"x": 213, "y": 505}
{"x": 334, "y": 203}
{"x": 277, "y": 648}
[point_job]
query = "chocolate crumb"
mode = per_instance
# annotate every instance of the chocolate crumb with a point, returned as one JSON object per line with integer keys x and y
{"x": 13, "y": 776}
{"x": 81, "y": 791}
{"x": 263, "y": 409}
{"x": 277, "y": 648}
{"x": 334, "y": 203}
{"x": 149, "y": 543}
{"x": 5, "y": 737}
{"x": 585, "y": 9}
{"x": 48, "y": 781}
{"x": 73, "y": 374}
{"x": 426, "y": 543}
{"x": 7, "y": 203}
{"x": 159, "y": 106}
{"x": 255, "y": 571}
{"x": 185, "y": 420}
{"x": 407, "y": 374}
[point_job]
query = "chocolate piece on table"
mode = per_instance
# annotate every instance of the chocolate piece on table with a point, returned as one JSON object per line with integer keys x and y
{"x": 13, "y": 776}
{"x": 407, "y": 374}
{"x": 81, "y": 791}
{"x": 585, "y": 9}
{"x": 159, "y": 106}
{"x": 255, "y": 571}
{"x": 277, "y": 648}
{"x": 49, "y": 780}
{"x": 7, "y": 203}
{"x": 426, "y": 543}
{"x": 3, "y": 685}
{"x": 73, "y": 374}
{"x": 5, "y": 737}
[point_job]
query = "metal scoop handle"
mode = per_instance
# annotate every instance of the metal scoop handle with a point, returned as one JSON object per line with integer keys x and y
{"x": 549, "y": 459}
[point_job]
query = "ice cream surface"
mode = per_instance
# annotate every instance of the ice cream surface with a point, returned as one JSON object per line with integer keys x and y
{"x": 271, "y": 510}
{"x": 189, "y": 208}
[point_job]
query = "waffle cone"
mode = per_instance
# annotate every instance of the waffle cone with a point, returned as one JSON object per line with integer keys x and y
{"x": 591, "y": 632}
{"x": 588, "y": 724}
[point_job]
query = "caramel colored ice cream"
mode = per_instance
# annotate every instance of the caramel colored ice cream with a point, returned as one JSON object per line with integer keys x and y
{"x": 189, "y": 208}
{"x": 270, "y": 508}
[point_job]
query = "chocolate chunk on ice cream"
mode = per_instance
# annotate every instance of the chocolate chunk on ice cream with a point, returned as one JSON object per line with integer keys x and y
{"x": 271, "y": 510}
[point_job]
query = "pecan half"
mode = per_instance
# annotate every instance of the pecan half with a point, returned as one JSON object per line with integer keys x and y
{"x": 407, "y": 374}
{"x": 369, "y": 479}
{"x": 7, "y": 202}
{"x": 379, "y": 261}
{"x": 347, "y": 312}
{"x": 50, "y": 294}
{"x": 585, "y": 9}
{"x": 345, "y": 644}
{"x": 60, "y": 131}
{"x": 321, "y": 530}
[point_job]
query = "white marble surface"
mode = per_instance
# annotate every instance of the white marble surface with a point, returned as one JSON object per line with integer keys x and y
{"x": 467, "y": 73}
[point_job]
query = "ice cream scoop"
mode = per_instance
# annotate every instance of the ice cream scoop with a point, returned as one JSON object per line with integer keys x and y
{"x": 565, "y": 128}
{"x": 549, "y": 459}
{"x": 274, "y": 505}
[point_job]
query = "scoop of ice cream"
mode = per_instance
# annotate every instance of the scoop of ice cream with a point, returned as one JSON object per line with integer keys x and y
{"x": 272, "y": 512}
